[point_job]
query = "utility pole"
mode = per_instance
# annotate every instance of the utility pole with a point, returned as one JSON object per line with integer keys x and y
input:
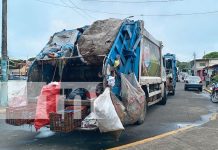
{"x": 195, "y": 69}
{"x": 4, "y": 60}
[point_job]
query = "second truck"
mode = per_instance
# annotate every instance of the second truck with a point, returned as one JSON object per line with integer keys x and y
{"x": 171, "y": 72}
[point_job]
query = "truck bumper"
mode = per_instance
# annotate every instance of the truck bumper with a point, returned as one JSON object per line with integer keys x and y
{"x": 194, "y": 86}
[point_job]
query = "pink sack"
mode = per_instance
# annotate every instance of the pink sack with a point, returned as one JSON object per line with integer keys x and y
{"x": 47, "y": 103}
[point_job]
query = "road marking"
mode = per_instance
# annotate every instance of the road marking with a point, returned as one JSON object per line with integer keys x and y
{"x": 214, "y": 116}
{"x": 151, "y": 139}
{"x": 209, "y": 91}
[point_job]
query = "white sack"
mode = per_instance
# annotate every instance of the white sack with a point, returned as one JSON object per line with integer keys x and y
{"x": 106, "y": 114}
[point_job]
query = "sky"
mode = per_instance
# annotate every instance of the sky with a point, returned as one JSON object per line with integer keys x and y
{"x": 32, "y": 22}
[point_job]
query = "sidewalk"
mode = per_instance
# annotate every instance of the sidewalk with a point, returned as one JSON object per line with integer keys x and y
{"x": 203, "y": 137}
{"x": 207, "y": 90}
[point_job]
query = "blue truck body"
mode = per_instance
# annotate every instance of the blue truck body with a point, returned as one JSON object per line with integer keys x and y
{"x": 171, "y": 68}
{"x": 127, "y": 46}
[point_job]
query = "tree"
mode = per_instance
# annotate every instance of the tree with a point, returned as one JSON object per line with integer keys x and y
{"x": 215, "y": 78}
{"x": 183, "y": 65}
{"x": 211, "y": 55}
{"x": 32, "y": 59}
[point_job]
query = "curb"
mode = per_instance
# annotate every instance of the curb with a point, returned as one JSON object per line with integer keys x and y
{"x": 207, "y": 90}
{"x": 213, "y": 117}
{"x": 130, "y": 145}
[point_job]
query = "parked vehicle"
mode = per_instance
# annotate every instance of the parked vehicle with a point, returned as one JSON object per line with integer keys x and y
{"x": 186, "y": 78}
{"x": 183, "y": 76}
{"x": 193, "y": 82}
{"x": 17, "y": 77}
{"x": 214, "y": 93}
{"x": 171, "y": 72}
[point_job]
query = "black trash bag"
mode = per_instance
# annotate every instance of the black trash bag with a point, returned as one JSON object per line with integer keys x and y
{"x": 82, "y": 92}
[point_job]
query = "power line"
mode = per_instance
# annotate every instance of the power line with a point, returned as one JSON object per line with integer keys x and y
{"x": 80, "y": 9}
{"x": 65, "y": 4}
{"x": 89, "y": 10}
{"x": 183, "y": 14}
{"x": 180, "y": 14}
{"x": 139, "y": 2}
{"x": 51, "y": 3}
{"x": 130, "y": 14}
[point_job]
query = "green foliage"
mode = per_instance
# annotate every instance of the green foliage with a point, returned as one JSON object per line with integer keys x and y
{"x": 31, "y": 59}
{"x": 211, "y": 55}
{"x": 183, "y": 65}
{"x": 215, "y": 78}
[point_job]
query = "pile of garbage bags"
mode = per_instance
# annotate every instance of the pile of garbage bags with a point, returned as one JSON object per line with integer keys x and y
{"x": 98, "y": 39}
{"x": 61, "y": 44}
{"x": 111, "y": 113}
{"x": 88, "y": 41}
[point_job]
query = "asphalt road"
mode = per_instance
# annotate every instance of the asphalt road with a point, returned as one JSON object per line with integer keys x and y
{"x": 186, "y": 107}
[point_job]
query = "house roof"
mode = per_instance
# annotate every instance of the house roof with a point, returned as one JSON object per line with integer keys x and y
{"x": 202, "y": 59}
{"x": 213, "y": 66}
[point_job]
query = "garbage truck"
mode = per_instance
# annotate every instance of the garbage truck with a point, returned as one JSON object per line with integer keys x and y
{"x": 106, "y": 52}
{"x": 171, "y": 72}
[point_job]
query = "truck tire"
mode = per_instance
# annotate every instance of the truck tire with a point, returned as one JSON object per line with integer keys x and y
{"x": 164, "y": 99}
{"x": 143, "y": 115}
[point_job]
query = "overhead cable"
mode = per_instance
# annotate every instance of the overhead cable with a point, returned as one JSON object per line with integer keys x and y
{"x": 75, "y": 10}
{"x": 131, "y": 14}
{"x": 128, "y": 1}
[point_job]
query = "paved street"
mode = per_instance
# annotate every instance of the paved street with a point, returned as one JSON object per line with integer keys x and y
{"x": 185, "y": 108}
{"x": 202, "y": 137}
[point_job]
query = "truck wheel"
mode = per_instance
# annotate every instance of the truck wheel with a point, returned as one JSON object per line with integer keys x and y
{"x": 164, "y": 99}
{"x": 143, "y": 115}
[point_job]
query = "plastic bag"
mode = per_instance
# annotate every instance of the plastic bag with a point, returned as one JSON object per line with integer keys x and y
{"x": 111, "y": 81}
{"x": 106, "y": 115}
{"x": 18, "y": 99}
{"x": 47, "y": 103}
{"x": 119, "y": 107}
{"x": 90, "y": 121}
{"x": 133, "y": 97}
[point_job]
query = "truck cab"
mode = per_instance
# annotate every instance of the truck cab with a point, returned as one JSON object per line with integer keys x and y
{"x": 171, "y": 72}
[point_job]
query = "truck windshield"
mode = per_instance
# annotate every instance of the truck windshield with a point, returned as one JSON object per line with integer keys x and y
{"x": 169, "y": 64}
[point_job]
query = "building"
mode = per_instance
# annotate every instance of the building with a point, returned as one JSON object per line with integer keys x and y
{"x": 203, "y": 67}
{"x": 213, "y": 69}
{"x": 21, "y": 70}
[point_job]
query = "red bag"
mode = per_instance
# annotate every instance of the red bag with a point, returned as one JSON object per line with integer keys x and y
{"x": 47, "y": 103}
